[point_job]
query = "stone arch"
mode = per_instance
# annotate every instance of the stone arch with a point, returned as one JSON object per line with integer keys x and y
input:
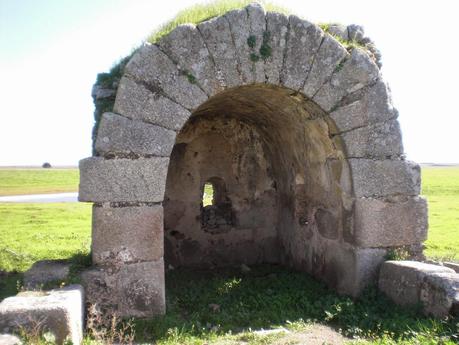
{"x": 343, "y": 192}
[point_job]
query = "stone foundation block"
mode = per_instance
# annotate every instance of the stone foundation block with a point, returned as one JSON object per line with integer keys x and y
{"x": 150, "y": 66}
{"x": 402, "y": 281}
{"x": 382, "y": 140}
{"x": 123, "y": 180}
{"x": 135, "y": 290}
{"x": 58, "y": 311}
{"x": 127, "y": 234}
{"x": 351, "y": 270}
{"x": 136, "y": 101}
{"x": 120, "y": 135}
{"x": 380, "y": 178}
{"x": 379, "y": 223}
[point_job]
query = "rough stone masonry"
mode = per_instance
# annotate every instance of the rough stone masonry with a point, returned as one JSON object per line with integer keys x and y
{"x": 296, "y": 133}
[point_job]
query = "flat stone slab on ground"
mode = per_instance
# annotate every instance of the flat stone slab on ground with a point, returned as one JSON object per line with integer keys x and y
{"x": 412, "y": 283}
{"x": 59, "y": 311}
{"x": 46, "y": 271}
{"x": 8, "y": 339}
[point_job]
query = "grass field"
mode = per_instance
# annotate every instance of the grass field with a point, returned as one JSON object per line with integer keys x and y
{"x": 440, "y": 185}
{"x": 266, "y": 297}
{"x": 37, "y": 181}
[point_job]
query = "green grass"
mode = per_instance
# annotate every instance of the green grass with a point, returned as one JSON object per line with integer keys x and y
{"x": 202, "y": 12}
{"x": 271, "y": 297}
{"x": 440, "y": 185}
{"x": 37, "y": 181}
{"x": 33, "y": 232}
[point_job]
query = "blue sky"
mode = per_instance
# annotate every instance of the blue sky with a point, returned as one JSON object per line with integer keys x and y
{"x": 51, "y": 52}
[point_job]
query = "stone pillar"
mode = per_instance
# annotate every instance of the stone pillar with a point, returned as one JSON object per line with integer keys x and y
{"x": 127, "y": 230}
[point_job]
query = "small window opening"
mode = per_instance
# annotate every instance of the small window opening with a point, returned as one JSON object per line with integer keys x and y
{"x": 208, "y": 195}
{"x": 216, "y": 211}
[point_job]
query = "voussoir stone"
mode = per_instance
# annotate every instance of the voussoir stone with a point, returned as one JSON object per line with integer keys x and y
{"x": 59, "y": 311}
{"x": 329, "y": 56}
{"x": 277, "y": 26}
{"x": 154, "y": 69}
{"x": 402, "y": 281}
{"x": 135, "y": 289}
{"x": 352, "y": 75}
{"x": 123, "y": 180}
{"x": 217, "y": 35}
{"x": 379, "y": 178}
{"x": 246, "y": 23}
{"x": 383, "y": 223}
{"x": 134, "y": 100}
{"x": 186, "y": 46}
{"x": 303, "y": 42}
{"x": 374, "y": 106}
{"x": 127, "y": 234}
{"x": 120, "y": 135}
{"x": 381, "y": 140}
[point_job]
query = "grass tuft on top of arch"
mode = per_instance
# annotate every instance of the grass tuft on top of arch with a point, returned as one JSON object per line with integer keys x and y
{"x": 201, "y": 12}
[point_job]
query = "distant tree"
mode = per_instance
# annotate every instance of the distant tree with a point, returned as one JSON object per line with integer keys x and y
{"x": 46, "y": 165}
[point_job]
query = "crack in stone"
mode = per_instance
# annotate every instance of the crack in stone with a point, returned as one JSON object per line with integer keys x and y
{"x": 284, "y": 57}
{"x": 239, "y": 63}
{"x": 312, "y": 63}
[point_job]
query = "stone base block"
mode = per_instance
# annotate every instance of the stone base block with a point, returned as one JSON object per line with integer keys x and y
{"x": 379, "y": 223}
{"x": 58, "y": 311}
{"x": 134, "y": 290}
{"x": 351, "y": 270}
{"x": 404, "y": 281}
{"x": 127, "y": 234}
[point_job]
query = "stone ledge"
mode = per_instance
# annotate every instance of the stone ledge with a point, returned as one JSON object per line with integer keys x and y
{"x": 381, "y": 178}
{"x": 118, "y": 134}
{"x": 59, "y": 311}
{"x": 410, "y": 283}
{"x": 127, "y": 234}
{"x": 379, "y": 223}
{"x": 122, "y": 180}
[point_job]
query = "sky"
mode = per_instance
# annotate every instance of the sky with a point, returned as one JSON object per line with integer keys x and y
{"x": 52, "y": 50}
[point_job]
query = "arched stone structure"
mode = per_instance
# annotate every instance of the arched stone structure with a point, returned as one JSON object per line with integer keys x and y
{"x": 298, "y": 132}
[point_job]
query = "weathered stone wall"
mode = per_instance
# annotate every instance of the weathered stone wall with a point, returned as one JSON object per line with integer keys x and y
{"x": 297, "y": 127}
